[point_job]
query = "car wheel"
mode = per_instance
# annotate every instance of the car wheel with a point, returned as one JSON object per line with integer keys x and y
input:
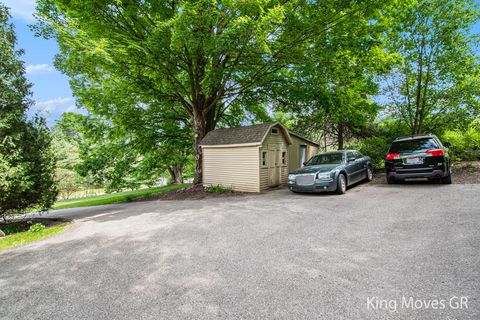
{"x": 369, "y": 173}
{"x": 447, "y": 179}
{"x": 391, "y": 180}
{"x": 341, "y": 184}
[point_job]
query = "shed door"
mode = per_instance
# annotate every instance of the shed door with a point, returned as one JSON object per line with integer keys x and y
{"x": 303, "y": 154}
{"x": 273, "y": 165}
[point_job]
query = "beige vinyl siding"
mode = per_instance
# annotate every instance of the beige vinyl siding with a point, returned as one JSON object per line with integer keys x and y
{"x": 311, "y": 151}
{"x": 294, "y": 152}
{"x": 263, "y": 179}
{"x": 280, "y": 141}
{"x": 235, "y": 167}
{"x": 284, "y": 175}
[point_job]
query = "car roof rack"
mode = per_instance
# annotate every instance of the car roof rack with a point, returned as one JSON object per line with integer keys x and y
{"x": 415, "y": 136}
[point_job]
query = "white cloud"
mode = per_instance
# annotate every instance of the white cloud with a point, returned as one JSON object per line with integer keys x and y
{"x": 53, "y": 109}
{"x": 57, "y": 104}
{"x": 72, "y": 108}
{"x": 39, "y": 69}
{"x": 22, "y": 9}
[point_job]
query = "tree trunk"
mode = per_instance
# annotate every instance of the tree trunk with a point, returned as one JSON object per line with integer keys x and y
{"x": 423, "y": 110}
{"x": 340, "y": 136}
{"x": 176, "y": 173}
{"x": 199, "y": 131}
{"x": 202, "y": 124}
{"x": 416, "y": 127}
{"x": 325, "y": 128}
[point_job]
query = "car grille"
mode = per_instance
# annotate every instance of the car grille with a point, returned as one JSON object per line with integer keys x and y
{"x": 305, "y": 179}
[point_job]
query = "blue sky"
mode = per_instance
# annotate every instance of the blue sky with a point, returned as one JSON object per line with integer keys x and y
{"x": 51, "y": 90}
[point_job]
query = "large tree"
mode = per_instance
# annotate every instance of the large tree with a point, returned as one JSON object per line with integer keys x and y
{"x": 438, "y": 80}
{"x": 26, "y": 159}
{"x": 130, "y": 151}
{"x": 196, "y": 57}
{"x": 329, "y": 96}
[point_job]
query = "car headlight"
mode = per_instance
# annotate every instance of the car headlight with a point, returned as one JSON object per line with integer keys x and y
{"x": 291, "y": 177}
{"x": 323, "y": 175}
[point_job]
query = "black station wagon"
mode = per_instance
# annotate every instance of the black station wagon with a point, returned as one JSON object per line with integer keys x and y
{"x": 422, "y": 156}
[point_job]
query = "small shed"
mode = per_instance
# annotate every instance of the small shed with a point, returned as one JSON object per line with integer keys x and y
{"x": 250, "y": 159}
{"x": 300, "y": 151}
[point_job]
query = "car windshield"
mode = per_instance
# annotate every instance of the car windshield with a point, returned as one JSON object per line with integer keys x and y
{"x": 326, "y": 158}
{"x": 413, "y": 145}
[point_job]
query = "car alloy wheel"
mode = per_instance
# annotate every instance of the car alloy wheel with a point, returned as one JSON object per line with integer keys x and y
{"x": 341, "y": 184}
{"x": 369, "y": 173}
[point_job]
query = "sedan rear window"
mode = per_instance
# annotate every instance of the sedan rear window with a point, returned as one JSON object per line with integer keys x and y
{"x": 413, "y": 145}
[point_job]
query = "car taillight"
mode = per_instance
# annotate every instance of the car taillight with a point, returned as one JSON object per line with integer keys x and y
{"x": 392, "y": 156}
{"x": 435, "y": 152}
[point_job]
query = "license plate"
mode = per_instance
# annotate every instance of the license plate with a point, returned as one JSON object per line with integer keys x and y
{"x": 414, "y": 160}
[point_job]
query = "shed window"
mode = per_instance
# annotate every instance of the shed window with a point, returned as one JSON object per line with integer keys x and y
{"x": 284, "y": 157}
{"x": 264, "y": 158}
{"x": 274, "y": 131}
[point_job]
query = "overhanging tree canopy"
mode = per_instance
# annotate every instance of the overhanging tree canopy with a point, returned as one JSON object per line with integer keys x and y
{"x": 196, "y": 57}
{"x": 438, "y": 80}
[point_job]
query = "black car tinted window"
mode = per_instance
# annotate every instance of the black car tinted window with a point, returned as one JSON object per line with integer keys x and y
{"x": 413, "y": 145}
{"x": 326, "y": 158}
{"x": 358, "y": 155}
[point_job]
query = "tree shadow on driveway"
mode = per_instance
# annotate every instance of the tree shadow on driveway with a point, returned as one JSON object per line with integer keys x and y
{"x": 267, "y": 256}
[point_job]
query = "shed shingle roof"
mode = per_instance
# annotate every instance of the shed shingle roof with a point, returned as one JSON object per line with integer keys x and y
{"x": 239, "y": 135}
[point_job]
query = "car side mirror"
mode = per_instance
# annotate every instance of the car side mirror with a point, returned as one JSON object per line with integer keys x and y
{"x": 351, "y": 159}
{"x": 447, "y": 144}
{"x": 305, "y": 163}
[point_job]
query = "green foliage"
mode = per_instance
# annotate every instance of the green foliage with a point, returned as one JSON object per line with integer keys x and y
{"x": 437, "y": 81}
{"x": 377, "y": 143}
{"x": 156, "y": 76}
{"x": 218, "y": 189}
{"x": 465, "y": 145}
{"x": 68, "y": 157}
{"x": 11, "y": 228}
{"x": 200, "y": 64}
{"x": 329, "y": 97}
{"x": 120, "y": 155}
{"x": 26, "y": 159}
{"x": 68, "y": 182}
{"x": 376, "y": 148}
{"x": 37, "y": 227}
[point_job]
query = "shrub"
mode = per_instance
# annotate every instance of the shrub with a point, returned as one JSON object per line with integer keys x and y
{"x": 465, "y": 145}
{"x": 37, "y": 227}
{"x": 376, "y": 148}
{"x": 218, "y": 189}
{"x": 11, "y": 228}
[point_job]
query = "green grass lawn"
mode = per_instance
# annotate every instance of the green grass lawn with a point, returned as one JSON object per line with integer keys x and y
{"x": 86, "y": 192}
{"x": 114, "y": 197}
{"x": 20, "y": 238}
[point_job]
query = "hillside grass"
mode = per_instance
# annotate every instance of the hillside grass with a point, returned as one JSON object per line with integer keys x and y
{"x": 21, "y": 238}
{"x": 117, "y": 197}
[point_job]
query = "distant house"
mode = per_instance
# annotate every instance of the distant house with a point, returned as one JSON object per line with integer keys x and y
{"x": 253, "y": 158}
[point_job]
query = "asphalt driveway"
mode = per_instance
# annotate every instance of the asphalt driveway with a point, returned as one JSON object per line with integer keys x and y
{"x": 272, "y": 256}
